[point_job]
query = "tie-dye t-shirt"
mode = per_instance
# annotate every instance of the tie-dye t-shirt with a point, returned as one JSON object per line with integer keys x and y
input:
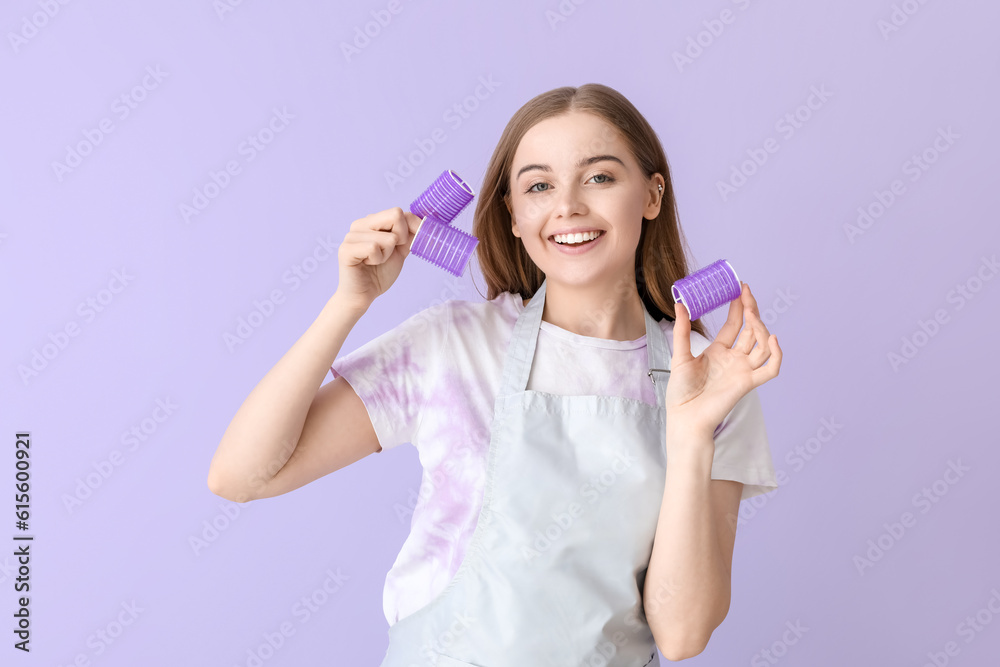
{"x": 432, "y": 381}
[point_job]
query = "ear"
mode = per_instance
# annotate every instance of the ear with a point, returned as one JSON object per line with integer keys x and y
{"x": 655, "y": 197}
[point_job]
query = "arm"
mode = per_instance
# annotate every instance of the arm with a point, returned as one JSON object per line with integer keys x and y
{"x": 686, "y": 594}
{"x": 287, "y": 433}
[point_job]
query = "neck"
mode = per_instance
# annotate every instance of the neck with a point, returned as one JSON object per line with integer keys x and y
{"x": 612, "y": 311}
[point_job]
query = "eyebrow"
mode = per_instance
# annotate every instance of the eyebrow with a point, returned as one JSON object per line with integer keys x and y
{"x": 582, "y": 163}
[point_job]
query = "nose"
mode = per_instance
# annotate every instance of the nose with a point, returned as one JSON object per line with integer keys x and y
{"x": 569, "y": 201}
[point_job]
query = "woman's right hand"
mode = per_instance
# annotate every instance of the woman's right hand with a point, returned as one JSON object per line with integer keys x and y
{"x": 372, "y": 253}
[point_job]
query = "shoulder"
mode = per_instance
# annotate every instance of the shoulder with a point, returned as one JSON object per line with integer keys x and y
{"x": 484, "y": 320}
{"x": 505, "y": 306}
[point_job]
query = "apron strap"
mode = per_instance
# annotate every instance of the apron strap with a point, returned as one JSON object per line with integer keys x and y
{"x": 521, "y": 351}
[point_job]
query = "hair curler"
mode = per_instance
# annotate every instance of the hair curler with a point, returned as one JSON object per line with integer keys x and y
{"x": 707, "y": 288}
{"x": 436, "y": 240}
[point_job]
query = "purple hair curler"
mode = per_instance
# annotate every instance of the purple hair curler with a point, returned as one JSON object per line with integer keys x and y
{"x": 436, "y": 240}
{"x": 707, "y": 288}
{"x": 443, "y": 245}
{"x": 444, "y": 199}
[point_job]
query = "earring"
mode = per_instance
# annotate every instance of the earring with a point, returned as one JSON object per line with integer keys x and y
{"x": 660, "y": 186}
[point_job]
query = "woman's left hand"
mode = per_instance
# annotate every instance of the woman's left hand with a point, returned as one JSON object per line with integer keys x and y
{"x": 702, "y": 390}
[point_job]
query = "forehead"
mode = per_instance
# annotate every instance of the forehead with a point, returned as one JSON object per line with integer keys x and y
{"x": 561, "y": 141}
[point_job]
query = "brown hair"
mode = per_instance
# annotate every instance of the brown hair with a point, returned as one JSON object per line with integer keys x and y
{"x": 659, "y": 257}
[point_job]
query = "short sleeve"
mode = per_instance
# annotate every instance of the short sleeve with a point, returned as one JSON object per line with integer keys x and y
{"x": 393, "y": 373}
{"x": 742, "y": 451}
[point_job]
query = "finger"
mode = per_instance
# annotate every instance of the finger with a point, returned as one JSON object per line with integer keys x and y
{"x": 760, "y": 332}
{"x": 370, "y": 247}
{"x": 387, "y": 239}
{"x": 747, "y": 337}
{"x": 380, "y": 251}
{"x": 762, "y": 335}
{"x": 770, "y": 370}
{"x": 409, "y": 224}
{"x": 727, "y": 334}
{"x": 762, "y": 352}
{"x": 363, "y": 252}
{"x": 751, "y": 301}
{"x": 391, "y": 219}
{"x": 682, "y": 335}
{"x": 412, "y": 223}
{"x": 401, "y": 230}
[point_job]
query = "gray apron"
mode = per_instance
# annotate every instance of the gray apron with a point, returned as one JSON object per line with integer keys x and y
{"x": 554, "y": 571}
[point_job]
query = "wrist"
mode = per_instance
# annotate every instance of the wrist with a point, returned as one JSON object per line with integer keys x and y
{"x": 346, "y": 307}
{"x": 689, "y": 430}
{"x": 689, "y": 443}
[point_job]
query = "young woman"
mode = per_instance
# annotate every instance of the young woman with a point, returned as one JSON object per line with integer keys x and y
{"x": 549, "y": 529}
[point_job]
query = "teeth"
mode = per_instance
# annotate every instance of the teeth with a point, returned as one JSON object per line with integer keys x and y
{"x": 576, "y": 238}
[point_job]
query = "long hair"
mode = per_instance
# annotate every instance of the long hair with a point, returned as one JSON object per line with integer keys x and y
{"x": 660, "y": 256}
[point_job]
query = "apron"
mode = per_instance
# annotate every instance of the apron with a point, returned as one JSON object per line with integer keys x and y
{"x": 553, "y": 572}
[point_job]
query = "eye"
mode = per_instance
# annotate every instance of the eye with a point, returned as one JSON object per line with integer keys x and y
{"x": 607, "y": 179}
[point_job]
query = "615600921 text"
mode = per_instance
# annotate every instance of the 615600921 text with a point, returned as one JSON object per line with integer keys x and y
{"x": 22, "y": 543}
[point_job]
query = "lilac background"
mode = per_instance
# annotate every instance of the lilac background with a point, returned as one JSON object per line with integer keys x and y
{"x": 839, "y": 307}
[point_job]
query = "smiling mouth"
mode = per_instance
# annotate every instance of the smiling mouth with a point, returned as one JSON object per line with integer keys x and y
{"x": 575, "y": 244}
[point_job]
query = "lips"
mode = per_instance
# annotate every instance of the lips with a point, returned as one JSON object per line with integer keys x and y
{"x": 577, "y": 249}
{"x": 574, "y": 230}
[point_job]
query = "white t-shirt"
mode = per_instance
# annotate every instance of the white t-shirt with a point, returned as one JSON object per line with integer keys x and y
{"x": 432, "y": 381}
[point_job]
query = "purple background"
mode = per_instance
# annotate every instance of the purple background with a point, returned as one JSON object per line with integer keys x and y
{"x": 840, "y": 307}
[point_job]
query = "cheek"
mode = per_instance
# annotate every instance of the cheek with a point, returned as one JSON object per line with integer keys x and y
{"x": 529, "y": 213}
{"x": 527, "y": 226}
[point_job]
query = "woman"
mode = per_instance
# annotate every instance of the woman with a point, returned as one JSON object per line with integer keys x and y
{"x": 549, "y": 529}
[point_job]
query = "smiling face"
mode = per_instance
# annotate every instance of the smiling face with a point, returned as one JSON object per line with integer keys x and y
{"x": 574, "y": 173}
